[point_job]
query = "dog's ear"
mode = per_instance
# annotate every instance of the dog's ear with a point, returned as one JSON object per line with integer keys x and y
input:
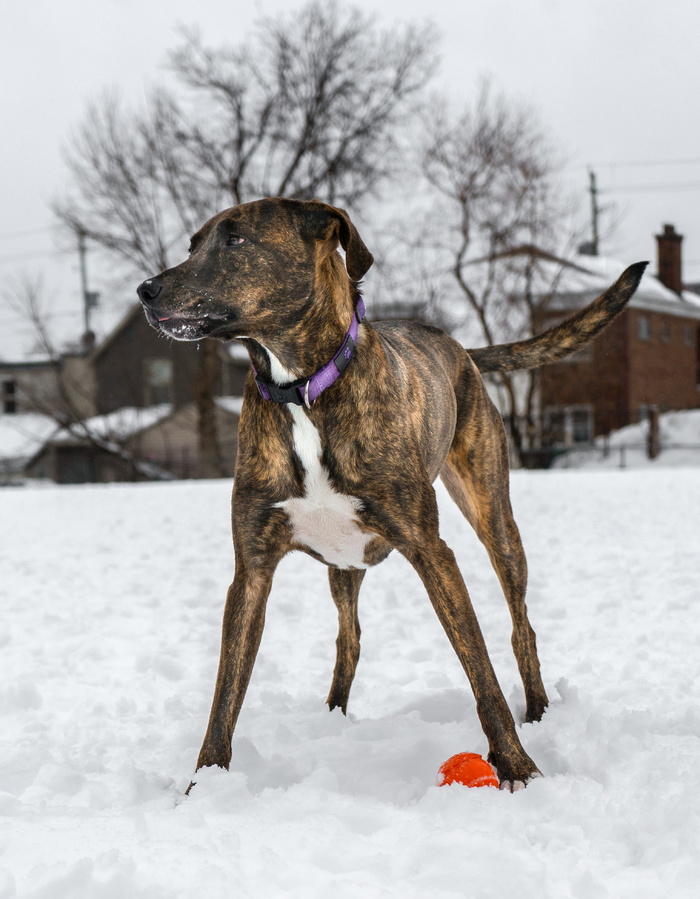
{"x": 334, "y": 225}
{"x": 358, "y": 258}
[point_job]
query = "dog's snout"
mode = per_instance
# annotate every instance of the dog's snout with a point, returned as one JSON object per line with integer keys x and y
{"x": 149, "y": 290}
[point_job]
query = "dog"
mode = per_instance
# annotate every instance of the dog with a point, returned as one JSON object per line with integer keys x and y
{"x": 344, "y": 428}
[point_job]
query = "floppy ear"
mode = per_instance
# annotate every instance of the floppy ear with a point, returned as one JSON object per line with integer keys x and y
{"x": 336, "y": 225}
{"x": 358, "y": 258}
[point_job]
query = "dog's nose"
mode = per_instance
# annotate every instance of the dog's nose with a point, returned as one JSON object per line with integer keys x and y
{"x": 149, "y": 290}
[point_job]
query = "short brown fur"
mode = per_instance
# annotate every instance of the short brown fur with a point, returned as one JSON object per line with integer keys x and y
{"x": 411, "y": 406}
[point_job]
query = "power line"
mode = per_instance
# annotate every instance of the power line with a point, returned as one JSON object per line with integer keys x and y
{"x": 33, "y": 255}
{"x": 630, "y": 188}
{"x": 20, "y": 317}
{"x": 640, "y": 163}
{"x": 12, "y": 235}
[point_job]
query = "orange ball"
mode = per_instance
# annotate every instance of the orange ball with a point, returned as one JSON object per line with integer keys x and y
{"x": 467, "y": 768}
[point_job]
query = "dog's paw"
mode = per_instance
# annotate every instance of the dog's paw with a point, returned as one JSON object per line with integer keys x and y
{"x": 515, "y": 771}
{"x": 512, "y": 786}
{"x": 535, "y": 709}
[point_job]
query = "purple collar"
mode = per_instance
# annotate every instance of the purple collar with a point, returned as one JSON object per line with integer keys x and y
{"x": 306, "y": 390}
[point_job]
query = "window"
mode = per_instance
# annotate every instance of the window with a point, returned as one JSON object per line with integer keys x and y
{"x": 665, "y": 331}
{"x": 644, "y": 327}
{"x": 581, "y": 426}
{"x": 567, "y": 426}
{"x": 158, "y": 381}
{"x": 9, "y": 396}
{"x": 687, "y": 335}
{"x": 554, "y": 428}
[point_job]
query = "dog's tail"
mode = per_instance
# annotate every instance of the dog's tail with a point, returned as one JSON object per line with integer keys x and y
{"x": 565, "y": 338}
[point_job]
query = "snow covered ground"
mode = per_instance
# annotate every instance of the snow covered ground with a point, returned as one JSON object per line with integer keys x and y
{"x": 679, "y": 436}
{"x": 111, "y": 602}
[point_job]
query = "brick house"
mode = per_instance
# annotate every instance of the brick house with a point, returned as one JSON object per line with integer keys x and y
{"x": 648, "y": 357}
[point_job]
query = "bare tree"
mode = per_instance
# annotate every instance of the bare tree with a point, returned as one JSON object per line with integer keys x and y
{"x": 503, "y": 228}
{"x": 312, "y": 105}
{"x": 62, "y": 392}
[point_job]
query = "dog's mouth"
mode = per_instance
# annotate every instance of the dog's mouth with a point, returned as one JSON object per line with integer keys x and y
{"x": 185, "y": 327}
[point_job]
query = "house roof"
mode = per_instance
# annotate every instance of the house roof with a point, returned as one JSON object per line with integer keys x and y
{"x": 22, "y": 434}
{"x": 44, "y": 362}
{"x": 587, "y": 276}
{"x": 118, "y": 425}
{"x": 20, "y": 340}
{"x": 124, "y": 423}
{"x": 575, "y": 281}
{"x": 132, "y": 313}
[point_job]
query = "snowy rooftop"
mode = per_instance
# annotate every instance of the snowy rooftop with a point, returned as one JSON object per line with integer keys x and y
{"x": 23, "y": 434}
{"x": 589, "y": 275}
{"x": 119, "y": 425}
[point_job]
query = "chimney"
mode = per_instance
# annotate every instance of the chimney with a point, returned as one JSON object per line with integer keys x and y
{"x": 669, "y": 256}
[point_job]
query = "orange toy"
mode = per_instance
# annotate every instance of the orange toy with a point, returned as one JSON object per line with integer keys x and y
{"x": 467, "y": 768}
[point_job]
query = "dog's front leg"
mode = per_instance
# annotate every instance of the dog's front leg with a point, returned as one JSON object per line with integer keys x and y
{"x": 437, "y": 568}
{"x": 244, "y": 618}
{"x": 345, "y": 587}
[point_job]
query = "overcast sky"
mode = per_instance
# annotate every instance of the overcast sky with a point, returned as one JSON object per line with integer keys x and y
{"x": 616, "y": 82}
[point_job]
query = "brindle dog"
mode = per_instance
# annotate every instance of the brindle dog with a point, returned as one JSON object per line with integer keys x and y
{"x": 345, "y": 473}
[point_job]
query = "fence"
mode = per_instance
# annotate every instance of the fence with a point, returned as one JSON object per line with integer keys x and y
{"x": 622, "y": 454}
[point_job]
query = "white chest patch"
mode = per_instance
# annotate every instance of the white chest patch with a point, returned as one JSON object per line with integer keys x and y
{"x": 323, "y": 520}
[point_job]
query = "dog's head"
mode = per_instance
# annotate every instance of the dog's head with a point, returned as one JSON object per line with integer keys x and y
{"x": 252, "y": 270}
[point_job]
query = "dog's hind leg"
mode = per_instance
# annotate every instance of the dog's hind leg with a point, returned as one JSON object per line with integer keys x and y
{"x": 437, "y": 568}
{"x": 476, "y": 477}
{"x": 345, "y": 587}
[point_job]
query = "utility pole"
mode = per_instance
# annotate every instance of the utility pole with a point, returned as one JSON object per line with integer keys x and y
{"x": 595, "y": 211}
{"x": 90, "y": 297}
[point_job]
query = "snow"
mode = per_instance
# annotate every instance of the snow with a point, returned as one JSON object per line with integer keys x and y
{"x": 232, "y": 404}
{"x": 679, "y": 434}
{"x": 569, "y": 286}
{"x": 118, "y": 425}
{"x": 594, "y": 273}
{"x": 22, "y": 434}
{"x": 112, "y": 599}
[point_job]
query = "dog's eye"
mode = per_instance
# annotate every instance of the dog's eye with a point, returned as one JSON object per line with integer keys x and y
{"x": 235, "y": 240}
